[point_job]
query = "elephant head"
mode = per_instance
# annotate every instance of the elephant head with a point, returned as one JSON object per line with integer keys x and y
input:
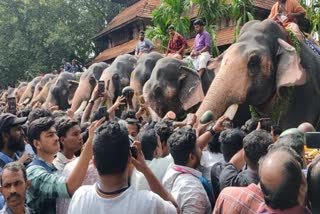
{"x": 20, "y": 90}
{"x": 172, "y": 87}
{"x": 62, "y": 91}
{"x": 117, "y": 75}
{"x": 254, "y": 70}
{"x": 88, "y": 81}
{"x": 46, "y": 78}
{"x": 28, "y": 93}
{"x": 142, "y": 73}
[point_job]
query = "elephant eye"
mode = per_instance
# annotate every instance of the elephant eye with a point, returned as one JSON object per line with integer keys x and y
{"x": 254, "y": 64}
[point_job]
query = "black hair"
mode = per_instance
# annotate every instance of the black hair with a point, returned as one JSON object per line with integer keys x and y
{"x": 63, "y": 125}
{"x": 37, "y": 127}
{"x": 313, "y": 179}
{"x": 128, "y": 114}
{"x": 14, "y": 167}
{"x": 293, "y": 142}
{"x": 214, "y": 144}
{"x": 111, "y": 148}
{"x": 133, "y": 122}
{"x": 250, "y": 125}
{"x": 58, "y": 114}
{"x": 231, "y": 142}
{"x": 256, "y": 146}
{"x": 148, "y": 139}
{"x": 141, "y": 32}
{"x": 198, "y": 22}
{"x": 286, "y": 194}
{"x": 276, "y": 130}
{"x": 164, "y": 129}
{"x": 181, "y": 143}
{"x": 171, "y": 27}
{"x": 38, "y": 113}
{"x": 24, "y": 112}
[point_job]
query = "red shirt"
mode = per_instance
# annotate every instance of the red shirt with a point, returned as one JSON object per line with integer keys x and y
{"x": 235, "y": 200}
{"x": 176, "y": 43}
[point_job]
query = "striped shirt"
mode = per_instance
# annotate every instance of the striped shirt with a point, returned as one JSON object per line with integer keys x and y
{"x": 45, "y": 187}
{"x": 234, "y": 200}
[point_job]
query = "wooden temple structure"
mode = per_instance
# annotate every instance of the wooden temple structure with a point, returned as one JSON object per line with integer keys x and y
{"x": 120, "y": 36}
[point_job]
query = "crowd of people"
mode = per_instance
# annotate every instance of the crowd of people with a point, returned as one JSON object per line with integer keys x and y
{"x": 124, "y": 161}
{"x": 56, "y": 162}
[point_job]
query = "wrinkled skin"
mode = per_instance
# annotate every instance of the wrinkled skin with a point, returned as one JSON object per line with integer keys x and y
{"x": 259, "y": 68}
{"x": 42, "y": 96}
{"x": 46, "y": 78}
{"x": 172, "y": 87}
{"x": 88, "y": 81}
{"x": 117, "y": 76}
{"x": 62, "y": 91}
{"x": 28, "y": 93}
{"x": 142, "y": 73}
{"x": 20, "y": 90}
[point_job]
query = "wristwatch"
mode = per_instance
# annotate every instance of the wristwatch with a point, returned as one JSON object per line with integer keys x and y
{"x": 209, "y": 129}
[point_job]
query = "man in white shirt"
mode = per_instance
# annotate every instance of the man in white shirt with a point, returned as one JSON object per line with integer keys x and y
{"x": 182, "y": 179}
{"x": 70, "y": 138}
{"x": 112, "y": 194}
{"x": 152, "y": 151}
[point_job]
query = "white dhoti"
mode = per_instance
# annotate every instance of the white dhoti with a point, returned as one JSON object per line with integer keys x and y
{"x": 200, "y": 61}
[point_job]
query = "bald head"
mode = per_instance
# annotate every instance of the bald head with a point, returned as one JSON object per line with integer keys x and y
{"x": 306, "y": 127}
{"x": 280, "y": 178}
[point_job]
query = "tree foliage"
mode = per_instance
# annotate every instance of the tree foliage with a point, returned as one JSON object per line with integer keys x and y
{"x": 170, "y": 12}
{"x": 37, "y": 34}
{"x": 313, "y": 15}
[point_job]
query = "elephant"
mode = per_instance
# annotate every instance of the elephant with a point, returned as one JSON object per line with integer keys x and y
{"x": 62, "y": 91}
{"x": 88, "y": 81}
{"x": 46, "y": 78}
{"x": 28, "y": 93}
{"x": 262, "y": 70}
{"x": 172, "y": 86}
{"x": 43, "y": 94}
{"x": 142, "y": 73}
{"x": 117, "y": 76}
{"x": 20, "y": 89}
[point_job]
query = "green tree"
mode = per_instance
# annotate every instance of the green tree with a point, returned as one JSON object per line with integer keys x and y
{"x": 170, "y": 12}
{"x": 242, "y": 12}
{"x": 211, "y": 11}
{"x": 313, "y": 14}
{"x": 36, "y": 34}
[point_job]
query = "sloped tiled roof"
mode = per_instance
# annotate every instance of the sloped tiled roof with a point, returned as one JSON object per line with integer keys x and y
{"x": 264, "y": 4}
{"x": 141, "y": 9}
{"x": 112, "y": 53}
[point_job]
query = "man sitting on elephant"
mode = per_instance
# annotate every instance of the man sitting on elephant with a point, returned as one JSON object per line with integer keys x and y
{"x": 200, "y": 54}
{"x": 176, "y": 44}
{"x": 287, "y": 13}
{"x": 144, "y": 45}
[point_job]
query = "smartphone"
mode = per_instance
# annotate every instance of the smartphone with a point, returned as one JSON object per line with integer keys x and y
{"x": 101, "y": 87}
{"x": 134, "y": 152}
{"x": 313, "y": 140}
{"x": 231, "y": 111}
{"x": 12, "y": 105}
{"x": 102, "y": 112}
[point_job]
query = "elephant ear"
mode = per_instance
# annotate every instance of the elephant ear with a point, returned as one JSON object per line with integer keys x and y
{"x": 191, "y": 92}
{"x": 72, "y": 87}
{"x": 289, "y": 71}
{"x": 214, "y": 64}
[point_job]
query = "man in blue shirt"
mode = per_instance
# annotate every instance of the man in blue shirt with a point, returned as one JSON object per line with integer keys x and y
{"x": 11, "y": 141}
{"x": 144, "y": 45}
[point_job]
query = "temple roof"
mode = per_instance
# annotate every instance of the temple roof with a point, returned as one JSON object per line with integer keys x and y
{"x": 141, "y": 9}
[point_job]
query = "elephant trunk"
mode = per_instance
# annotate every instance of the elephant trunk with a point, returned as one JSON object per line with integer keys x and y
{"x": 229, "y": 87}
{"x": 81, "y": 95}
{"x": 215, "y": 100}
